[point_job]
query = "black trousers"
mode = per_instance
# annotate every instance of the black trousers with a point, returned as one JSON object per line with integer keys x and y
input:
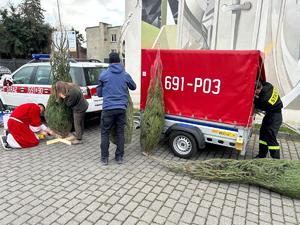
{"x": 267, "y": 136}
{"x": 78, "y": 124}
{"x": 109, "y": 118}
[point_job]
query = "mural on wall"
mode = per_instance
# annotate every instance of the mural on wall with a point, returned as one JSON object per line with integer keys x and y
{"x": 159, "y": 23}
{"x": 268, "y": 25}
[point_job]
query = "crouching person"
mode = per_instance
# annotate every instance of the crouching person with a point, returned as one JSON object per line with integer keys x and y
{"x": 23, "y": 126}
{"x": 74, "y": 99}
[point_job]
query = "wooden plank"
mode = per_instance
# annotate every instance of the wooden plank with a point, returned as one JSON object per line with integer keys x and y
{"x": 65, "y": 141}
{"x": 53, "y": 141}
{"x": 62, "y": 140}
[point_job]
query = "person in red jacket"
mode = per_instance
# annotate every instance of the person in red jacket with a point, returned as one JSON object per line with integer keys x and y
{"x": 23, "y": 124}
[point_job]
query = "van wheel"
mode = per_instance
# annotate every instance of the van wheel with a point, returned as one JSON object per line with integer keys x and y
{"x": 182, "y": 144}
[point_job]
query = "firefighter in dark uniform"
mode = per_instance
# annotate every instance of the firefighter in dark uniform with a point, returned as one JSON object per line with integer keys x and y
{"x": 268, "y": 100}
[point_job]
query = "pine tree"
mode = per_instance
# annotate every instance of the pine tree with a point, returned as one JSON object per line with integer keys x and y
{"x": 23, "y": 31}
{"x": 153, "y": 119}
{"x": 32, "y": 11}
{"x": 58, "y": 116}
{"x": 128, "y": 129}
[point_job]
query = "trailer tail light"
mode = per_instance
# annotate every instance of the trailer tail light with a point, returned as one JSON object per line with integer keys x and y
{"x": 86, "y": 92}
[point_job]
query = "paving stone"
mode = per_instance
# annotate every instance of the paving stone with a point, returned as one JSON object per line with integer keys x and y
{"x": 21, "y": 219}
{"x": 239, "y": 220}
{"x": 95, "y": 216}
{"x": 81, "y": 216}
{"x": 211, "y": 220}
{"x": 174, "y": 217}
{"x": 148, "y": 216}
{"x": 61, "y": 184}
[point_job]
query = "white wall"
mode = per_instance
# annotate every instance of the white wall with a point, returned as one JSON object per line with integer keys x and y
{"x": 133, "y": 46}
{"x": 256, "y": 28}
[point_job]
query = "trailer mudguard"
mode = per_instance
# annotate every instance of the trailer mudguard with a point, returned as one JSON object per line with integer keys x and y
{"x": 195, "y": 131}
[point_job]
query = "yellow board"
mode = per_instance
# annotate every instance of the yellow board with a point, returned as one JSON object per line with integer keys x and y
{"x": 225, "y": 133}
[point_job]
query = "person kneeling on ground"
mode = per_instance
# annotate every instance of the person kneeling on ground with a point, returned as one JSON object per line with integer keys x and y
{"x": 73, "y": 98}
{"x": 23, "y": 124}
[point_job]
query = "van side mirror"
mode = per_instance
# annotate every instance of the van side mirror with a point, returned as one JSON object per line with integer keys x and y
{"x": 8, "y": 81}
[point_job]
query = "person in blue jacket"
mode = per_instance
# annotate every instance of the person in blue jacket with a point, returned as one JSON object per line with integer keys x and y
{"x": 113, "y": 86}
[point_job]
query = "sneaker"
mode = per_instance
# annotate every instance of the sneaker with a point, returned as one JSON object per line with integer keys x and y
{"x": 4, "y": 143}
{"x": 76, "y": 142}
{"x": 104, "y": 161}
{"x": 120, "y": 160}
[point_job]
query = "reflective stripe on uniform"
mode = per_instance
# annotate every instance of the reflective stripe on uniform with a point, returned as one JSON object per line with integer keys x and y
{"x": 274, "y": 147}
{"x": 274, "y": 97}
{"x": 262, "y": 142}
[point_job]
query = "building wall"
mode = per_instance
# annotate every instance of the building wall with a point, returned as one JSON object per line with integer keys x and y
{"x": 99, "y": 41}
{"x": 93, "y": 42}
{"x": 270, "y": 26}
{"x": 133, "y": 46}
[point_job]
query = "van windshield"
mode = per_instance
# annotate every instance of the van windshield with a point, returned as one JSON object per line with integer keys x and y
{"x": 92, "y": 74}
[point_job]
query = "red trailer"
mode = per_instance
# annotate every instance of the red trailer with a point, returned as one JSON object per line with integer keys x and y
{"x": 208, "y": 96}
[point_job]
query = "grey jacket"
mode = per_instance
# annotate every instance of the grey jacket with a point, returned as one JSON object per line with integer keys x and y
{"x": 75, "y": 100}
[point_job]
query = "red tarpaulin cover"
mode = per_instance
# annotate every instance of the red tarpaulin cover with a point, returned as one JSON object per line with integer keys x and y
{"x": 213, "y": 85}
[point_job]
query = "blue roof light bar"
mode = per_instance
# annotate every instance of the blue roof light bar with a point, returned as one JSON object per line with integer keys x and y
{"x": 40, "y": 56}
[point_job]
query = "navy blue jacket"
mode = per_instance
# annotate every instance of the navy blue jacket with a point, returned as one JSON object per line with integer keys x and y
{"x": 113, "y": 86}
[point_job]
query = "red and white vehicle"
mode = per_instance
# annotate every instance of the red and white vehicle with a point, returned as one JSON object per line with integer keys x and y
{"x": 32, "y": 83}
{"x": 208, "y": 96}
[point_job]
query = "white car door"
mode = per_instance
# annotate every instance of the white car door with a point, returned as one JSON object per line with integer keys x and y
{"x": 17, "y": 93}
{"x": 40, "y": 89}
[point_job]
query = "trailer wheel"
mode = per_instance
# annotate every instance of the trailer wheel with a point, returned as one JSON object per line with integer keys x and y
{"x": 183, "y": 144}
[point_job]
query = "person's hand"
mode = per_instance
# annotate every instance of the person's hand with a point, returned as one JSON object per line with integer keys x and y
{"x": 61, "y": 95}
{"x": 50, "y": 132}
{"x": 44, "y": 133}
{"x": 258, "y": 112}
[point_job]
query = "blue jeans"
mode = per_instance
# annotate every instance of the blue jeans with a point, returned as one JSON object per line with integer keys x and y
{"x": 110, "y": 118}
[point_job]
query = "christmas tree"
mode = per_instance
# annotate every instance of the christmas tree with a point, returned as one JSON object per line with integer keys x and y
{"x": 128, "y": 129}
{"x": 153, "y": 119}
{"x": 57, "y": 115}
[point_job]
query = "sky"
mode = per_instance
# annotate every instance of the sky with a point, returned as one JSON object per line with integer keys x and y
{"x": 80, "y": 13}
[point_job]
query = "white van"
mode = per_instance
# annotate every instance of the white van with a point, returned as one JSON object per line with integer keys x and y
{"x": 32, "y": 83}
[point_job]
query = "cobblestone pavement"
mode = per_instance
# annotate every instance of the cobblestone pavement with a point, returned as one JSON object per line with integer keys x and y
{"x": 60, "y": 184}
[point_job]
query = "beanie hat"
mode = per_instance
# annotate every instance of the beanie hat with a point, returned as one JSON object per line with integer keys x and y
{"x": 114, "y": 58}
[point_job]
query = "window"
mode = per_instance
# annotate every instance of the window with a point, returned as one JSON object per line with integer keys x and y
{"x": 92, "y": 74}
{"x": 43, "y": 75}
{"x": 23, "y": 75}
{"x": 77, "y": 76}
{"x": 113, "y": 38}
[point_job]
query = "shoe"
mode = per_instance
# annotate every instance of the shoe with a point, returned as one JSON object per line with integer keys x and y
{"x": 76, "y": 142}
{"x": 120, "y": 160}
{"x": 4, "y": 143}
{"x": 104, "y": 161}
{"x": 259, "y": 157}
{"x": 71, "y": 137}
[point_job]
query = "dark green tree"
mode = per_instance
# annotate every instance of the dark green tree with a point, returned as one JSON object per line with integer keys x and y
{"x": 79, "y": 36}
{"x": 153, "y": 119}
{"x": 32, "y": 11}
{"x": 23, "y": 31}
{"x": 11, "y": 30}
{"x": 58, "y": 116}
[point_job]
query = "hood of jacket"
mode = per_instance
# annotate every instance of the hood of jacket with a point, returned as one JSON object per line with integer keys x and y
{"x": 116, "y": 68}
